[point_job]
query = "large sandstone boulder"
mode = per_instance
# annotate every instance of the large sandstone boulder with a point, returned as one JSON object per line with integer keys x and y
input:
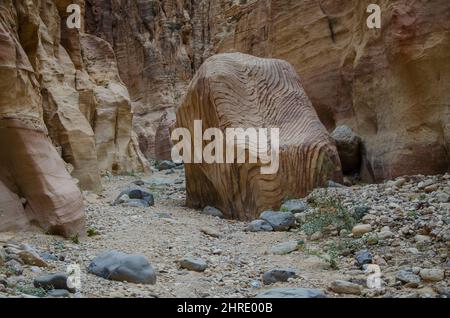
{"x": 242, "y": 91}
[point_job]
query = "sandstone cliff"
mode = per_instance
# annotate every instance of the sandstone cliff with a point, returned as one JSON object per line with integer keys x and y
{"x": 388, "y": 85}
{"x": 63, "y": 84}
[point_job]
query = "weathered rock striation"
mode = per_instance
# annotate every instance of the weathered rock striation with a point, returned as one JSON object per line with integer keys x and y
{"x": 241, "y": 91}
{"x": 61, "y": 102}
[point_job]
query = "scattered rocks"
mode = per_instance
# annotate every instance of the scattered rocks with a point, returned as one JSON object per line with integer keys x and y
{"x": 432, "y": 274}
{"x": 54, "y": 281}
{"x": 280, "y": 221}
{"x": 345, "y": 287}
{"x": 209, "y": 210}
{"x": 14, "y": 266}
{"x": 31, "y": 257}
{"x": 361, "y": 229}
{"x": 292, "y": 293}
{"x": 118, "y": 266}
{"x": 135, "y": 197}
{"x": 278, "y": 275}
{"x": 193, "y": 264}
{"x": 284, "y": 248}
{"x": 363, "y": 258}
{"x": 259, "y": 226}
{"x": 408, "y": 277}
{"x": 422, "y": 239}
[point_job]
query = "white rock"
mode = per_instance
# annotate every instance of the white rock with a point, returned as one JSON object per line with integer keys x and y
{"x": 361, "y": 229}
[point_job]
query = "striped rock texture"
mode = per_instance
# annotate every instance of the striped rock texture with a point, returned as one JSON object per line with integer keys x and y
{"x": 35, "y": 188}
{"x": 241, "y": 91}
{"x": 62, "y": 104}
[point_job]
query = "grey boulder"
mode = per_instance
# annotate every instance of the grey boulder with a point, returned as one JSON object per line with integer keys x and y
{"x": 349, "y": 148}
{"x": 137, "y": 197}
{"x": 408, "y": 278}
{"x": 118, "y": 266}
{"x": 259, "y": 226}
{"x": 363, "y": 258}
{"x": 280, "y": 221}
{"x": 193, "y": 264}
{"x": 278, "y": 275}
{"x": 54, "y": 281}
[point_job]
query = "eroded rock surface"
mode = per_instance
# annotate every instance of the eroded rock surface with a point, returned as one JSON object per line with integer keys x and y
{"x": 241, "y": 91}
{"x": 63, "y": 108}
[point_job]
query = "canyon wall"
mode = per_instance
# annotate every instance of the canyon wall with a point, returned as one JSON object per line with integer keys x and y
{"x": 63, "y": 109}
{"x": 387, "y": 84}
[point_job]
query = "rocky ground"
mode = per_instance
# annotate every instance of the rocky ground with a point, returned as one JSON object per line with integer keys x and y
{"x": 328, "y": 243}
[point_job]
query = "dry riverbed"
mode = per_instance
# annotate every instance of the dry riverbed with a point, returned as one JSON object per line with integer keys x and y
{"x": 403, "y": 227}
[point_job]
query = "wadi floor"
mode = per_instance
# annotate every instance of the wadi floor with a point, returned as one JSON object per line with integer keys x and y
{"x": 236, "y": 259}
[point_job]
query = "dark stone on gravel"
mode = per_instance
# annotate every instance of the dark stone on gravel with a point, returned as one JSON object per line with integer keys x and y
{"x": 363, "y": 257}
{"x": 278, "y": 275}
{"x": 409, "y": 278}
{"x": 53, "y": 281}
{"x": 118, "y": 266}
{"x": 259, "y": 226}
{"x": 361, "y": 211}
{"x": 280, "y": 221}
{"x": 193, "y": 264}
{"x": 146, "y": 198}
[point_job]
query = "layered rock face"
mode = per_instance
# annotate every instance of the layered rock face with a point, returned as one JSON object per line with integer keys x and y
{"x": 60, "y": 96}
{"x": 245, "y": 92}
{"x": 156, "y": 51}
{"x": 387, "y": 85}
